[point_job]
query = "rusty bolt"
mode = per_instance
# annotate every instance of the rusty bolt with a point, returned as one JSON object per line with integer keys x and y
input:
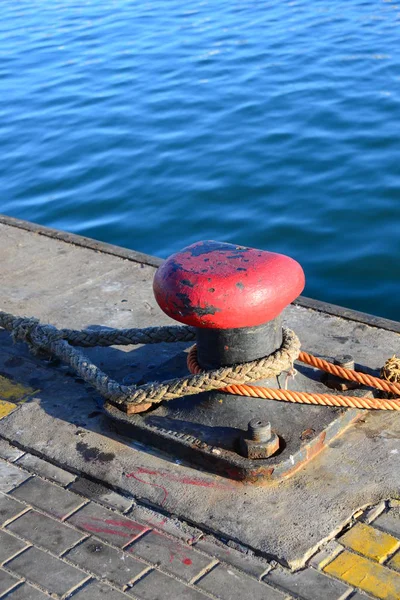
{"x": 260, "y": 441}
{"x": 259, "y": 431}
{"x": 307, "y": 434}
{"x": 336, "y": 383}
{"x": 345, "y": 360}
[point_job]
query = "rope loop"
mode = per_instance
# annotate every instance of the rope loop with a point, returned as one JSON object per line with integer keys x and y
{"x": 22, "y": 329}
{"x": 43, "y": 336}
{"x": 233, "y": 379}
{"x": 33, "y": 333}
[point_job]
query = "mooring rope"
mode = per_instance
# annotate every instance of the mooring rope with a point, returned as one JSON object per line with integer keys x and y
{"x": 233, "y": 379}
{"x": 297, "y": 397}
{"x": 56, "y": 342}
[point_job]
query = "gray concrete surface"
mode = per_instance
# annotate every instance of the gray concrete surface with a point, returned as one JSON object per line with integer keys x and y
{"x": 73, "y": 286}
{"x": 93, "y": 551}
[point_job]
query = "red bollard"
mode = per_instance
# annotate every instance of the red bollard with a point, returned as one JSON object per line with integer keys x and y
{"x": 233, "y": 295}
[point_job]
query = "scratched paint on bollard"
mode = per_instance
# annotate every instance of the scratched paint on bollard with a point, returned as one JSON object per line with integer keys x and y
{"x": 218, "y": 285}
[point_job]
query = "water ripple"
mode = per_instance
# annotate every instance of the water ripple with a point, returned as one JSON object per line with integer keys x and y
{"x": 153, "y": 125}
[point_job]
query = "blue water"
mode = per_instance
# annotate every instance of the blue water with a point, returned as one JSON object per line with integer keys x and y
{"x": 155, "y": 124}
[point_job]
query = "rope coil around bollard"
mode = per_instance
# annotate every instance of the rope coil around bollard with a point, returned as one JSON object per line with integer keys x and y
{"x": 234, "y": 379}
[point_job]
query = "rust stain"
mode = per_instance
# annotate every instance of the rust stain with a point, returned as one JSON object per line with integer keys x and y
{"x": 317, "y": 446}
{"x": 258, "y": 475}
{"x": 307, "y": 434}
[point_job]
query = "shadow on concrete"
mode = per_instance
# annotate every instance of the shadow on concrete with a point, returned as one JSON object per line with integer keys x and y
{"x": 64, "y": 395}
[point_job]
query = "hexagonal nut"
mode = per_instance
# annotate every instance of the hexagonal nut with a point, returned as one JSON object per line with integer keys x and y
{"x": 252, "y": 449}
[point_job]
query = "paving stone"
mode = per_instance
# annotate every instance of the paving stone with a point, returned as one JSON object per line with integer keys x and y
{"x": 326, "y": 554}
{"x": 370, "y": 542}
{"x": 48, "y": 497}
{"x": 9, "y": 545}
{"x": 157, "y": 586}
{"x": 101, "y": 494}
{"x": 167, "y": 525}
{"x": 42, "y": 569}
{"x": 10, "y": 476}
{"x": 226, "y": 583}
{"x": 175, "y": 557}
{"x": 370, "y": 514}
{"x": 46, "y": 532}
{"x": 7, "y": 581}
{"x": 248, "y": 564}
{"x": 6, "y": 407}
{"x": 365, "y": 574}
{"x": 394, "y": 562}
{"x": 106, "y": 524}
{"x": 26, "y": 592}
{"x": 96, "y": 591}
{"x": 45, "y": 469}
{"x": 308, "y": 584}
{"x": 9, "y": 452}
{"x": 389, "y": 522}
{"x": 9, "y": 508}
{"x": 106, "y": 562}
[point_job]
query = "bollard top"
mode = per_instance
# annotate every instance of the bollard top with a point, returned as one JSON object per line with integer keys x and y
{"x": 223, "y": 286}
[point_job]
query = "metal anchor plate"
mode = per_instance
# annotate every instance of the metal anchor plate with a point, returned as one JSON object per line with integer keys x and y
{"x": 205, "y": 430}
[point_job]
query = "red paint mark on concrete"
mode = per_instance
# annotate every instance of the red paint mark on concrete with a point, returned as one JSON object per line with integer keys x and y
{"x": 176, "y": 550}
{"x": 146, "y": 471}
{"x": 127, "y": 524}
{"x": 159, "y": 524}
{"x": 98, "y": 525}
{"x": 96, "y": 529}
{"x": 196, "y": 481}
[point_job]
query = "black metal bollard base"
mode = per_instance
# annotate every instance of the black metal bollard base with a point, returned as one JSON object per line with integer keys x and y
{"x": 224, "y": 347}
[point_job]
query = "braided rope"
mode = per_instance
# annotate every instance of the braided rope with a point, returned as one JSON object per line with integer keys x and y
{"x": 306, "y": 398}
{"x": 30, "y": 330}
{"x": 131, "y": 397}
{"x": 316, "y": 399}
{"x": 154, "y": 393}
{"x": 125, "y": 337}
{"x": 349, "y": 374}
{"x": 231, "y": 379}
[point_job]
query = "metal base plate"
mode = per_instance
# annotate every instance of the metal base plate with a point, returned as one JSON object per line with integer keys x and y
{"x": 205, "y": 430}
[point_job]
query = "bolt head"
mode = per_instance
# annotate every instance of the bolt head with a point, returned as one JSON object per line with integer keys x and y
{"x": 344, "y": 360}
{"x": 254, "y": 450}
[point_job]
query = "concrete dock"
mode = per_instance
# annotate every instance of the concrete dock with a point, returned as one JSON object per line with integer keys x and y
{"x": 88, "y": 513}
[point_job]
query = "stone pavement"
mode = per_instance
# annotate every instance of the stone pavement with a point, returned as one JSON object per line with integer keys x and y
{"x": 63, "y": 536}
